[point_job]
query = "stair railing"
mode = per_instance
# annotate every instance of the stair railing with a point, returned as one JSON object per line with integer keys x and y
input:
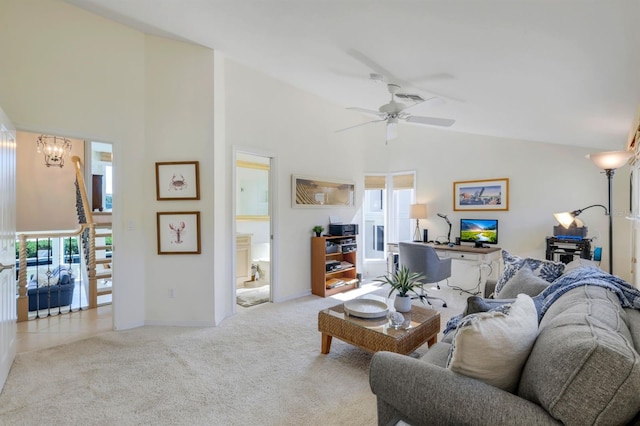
{"x": 23, "y": 287}
{"x": 88, "y": 236}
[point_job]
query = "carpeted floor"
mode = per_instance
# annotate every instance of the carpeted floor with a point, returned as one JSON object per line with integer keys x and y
{"x": 261, "y": 367}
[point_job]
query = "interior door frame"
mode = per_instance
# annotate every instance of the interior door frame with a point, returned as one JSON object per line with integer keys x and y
{"x": 8, "y": 300}
{"x": 273, "y": 202}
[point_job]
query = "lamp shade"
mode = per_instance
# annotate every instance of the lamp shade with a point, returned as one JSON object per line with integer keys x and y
{"x": 610, "y": 160}
{"x": 418, "y": 211}
{"x": 565, "y": 218}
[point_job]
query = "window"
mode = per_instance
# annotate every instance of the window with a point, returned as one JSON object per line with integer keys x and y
{"x": 386, "y": 211}
{"x": 108, "y": 187}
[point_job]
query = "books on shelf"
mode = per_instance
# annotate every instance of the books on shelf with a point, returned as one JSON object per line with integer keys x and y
{"x": 339, "y": 282}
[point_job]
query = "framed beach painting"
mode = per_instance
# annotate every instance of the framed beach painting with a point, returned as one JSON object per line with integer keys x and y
{"x": 480, "y": 195}
{"x": 178, "y": 232}
{"x": 313, "y": 192}
{"x": 177, "y": 180}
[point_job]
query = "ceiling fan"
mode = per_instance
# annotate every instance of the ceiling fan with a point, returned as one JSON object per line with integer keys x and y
{"x": 394, "y": 111}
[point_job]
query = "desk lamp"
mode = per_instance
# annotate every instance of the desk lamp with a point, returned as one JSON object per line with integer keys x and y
{"x": 568, "y": 219}
{"x": 417, "y": 212}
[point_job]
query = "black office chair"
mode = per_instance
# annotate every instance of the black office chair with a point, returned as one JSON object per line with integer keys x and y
{"x": 423, "y": 259}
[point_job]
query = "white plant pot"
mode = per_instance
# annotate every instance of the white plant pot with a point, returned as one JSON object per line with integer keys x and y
{"x": 402, "y": 303}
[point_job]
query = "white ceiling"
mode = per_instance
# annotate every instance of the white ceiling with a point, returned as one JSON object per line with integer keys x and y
{"x": 558, "y": 71}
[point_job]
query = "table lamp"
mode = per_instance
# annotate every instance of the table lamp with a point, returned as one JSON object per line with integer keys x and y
{"x": 417, "y": 212}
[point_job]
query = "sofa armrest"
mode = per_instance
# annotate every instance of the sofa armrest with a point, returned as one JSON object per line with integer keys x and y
{"x": 421, "y": 393}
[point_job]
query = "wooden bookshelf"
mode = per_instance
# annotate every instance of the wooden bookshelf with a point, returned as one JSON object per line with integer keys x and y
{"x": 321, "y": 280}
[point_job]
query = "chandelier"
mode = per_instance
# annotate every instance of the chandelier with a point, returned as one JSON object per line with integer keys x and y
{"x": 54, "y": 149}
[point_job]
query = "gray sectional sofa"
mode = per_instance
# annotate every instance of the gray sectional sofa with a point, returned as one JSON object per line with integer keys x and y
{"x": 583, "y": 369}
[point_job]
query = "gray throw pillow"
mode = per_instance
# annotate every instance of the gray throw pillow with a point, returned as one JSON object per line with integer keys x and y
{"x": 524, "y": 281}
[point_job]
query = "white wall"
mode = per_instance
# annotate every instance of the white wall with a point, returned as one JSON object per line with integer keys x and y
{"x": 46, "y": 196}
{"x": 543, "y": 179}
{"x": 266, "y": 114}
{"x": 75, "y": 74}
{"x": 179, "y": 127}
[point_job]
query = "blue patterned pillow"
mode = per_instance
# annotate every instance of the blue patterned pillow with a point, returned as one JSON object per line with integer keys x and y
{"x": 545, "y": 269}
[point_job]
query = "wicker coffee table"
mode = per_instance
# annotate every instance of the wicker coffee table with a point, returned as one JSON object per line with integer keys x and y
{"x": 421, "y": 325}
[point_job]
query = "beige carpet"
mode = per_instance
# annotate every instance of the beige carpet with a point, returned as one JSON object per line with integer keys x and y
{"x": 261, "y": 367}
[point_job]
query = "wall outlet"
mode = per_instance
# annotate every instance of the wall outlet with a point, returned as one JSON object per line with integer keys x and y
{"x": 172, "y": 293}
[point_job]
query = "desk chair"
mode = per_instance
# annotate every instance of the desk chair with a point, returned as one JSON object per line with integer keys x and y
{"x": 423, "y": 259}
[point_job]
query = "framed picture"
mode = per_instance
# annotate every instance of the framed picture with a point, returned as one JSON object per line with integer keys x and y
{"x": 178, "y": 232}
{"x": 177, "y": 180}
{"x": 312, "y": 192}
{"x": 479, "y": 195}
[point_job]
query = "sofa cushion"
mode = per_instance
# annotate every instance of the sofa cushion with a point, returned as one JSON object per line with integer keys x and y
{"x": 584, "y": 352}
{"x": 524, "y": 281}
{"x": 545, "y": 269}
{"x": 493, "y": 346}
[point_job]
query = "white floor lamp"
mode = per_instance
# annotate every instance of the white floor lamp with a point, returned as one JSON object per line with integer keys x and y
{"x": 610, "y": 161}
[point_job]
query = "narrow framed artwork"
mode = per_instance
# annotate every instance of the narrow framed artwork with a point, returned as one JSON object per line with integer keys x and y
{"x": 178, "y": 232}
{"x": 313, "y": 192}
{"x": 177, "y": 180}
{"x": 480, "y": 195}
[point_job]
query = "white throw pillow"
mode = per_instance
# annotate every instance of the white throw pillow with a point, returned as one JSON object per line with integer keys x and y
{"x": 494, "y": 346}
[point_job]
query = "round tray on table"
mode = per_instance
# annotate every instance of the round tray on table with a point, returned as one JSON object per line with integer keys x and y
{"x": 366, "y": 308}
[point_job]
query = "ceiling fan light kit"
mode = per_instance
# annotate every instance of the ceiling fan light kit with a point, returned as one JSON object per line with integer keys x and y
{"x": 393, "y": 111}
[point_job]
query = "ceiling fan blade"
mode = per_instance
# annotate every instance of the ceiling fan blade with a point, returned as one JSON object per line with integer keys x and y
{"x": 432, "y": 102}
{"x": 432, "y": 121}
{"x": 368, "y": 112}
{"x": 361, "y": 124}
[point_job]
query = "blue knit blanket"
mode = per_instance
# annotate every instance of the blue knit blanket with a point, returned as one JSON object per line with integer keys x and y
{"x": 629, "y": 296}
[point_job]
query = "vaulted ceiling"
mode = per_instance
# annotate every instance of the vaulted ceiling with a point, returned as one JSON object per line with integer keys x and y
{"x": 557, "y": 71}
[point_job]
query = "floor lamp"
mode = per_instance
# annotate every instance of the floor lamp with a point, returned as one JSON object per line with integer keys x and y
{"x": 417, "y": 212}
{"x": 609, "y": 162}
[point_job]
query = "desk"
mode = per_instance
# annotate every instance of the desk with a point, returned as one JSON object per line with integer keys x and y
{"x": 486, "y": 257}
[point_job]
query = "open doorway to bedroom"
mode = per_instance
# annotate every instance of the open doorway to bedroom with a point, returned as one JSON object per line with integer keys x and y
{"x": 253, "y": 281}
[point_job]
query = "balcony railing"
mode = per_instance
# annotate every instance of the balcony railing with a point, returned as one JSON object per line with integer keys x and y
{"x": 58, "y": 279}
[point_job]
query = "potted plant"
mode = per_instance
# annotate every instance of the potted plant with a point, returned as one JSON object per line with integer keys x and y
{"x": 318, "y": 230}
{"x": 403, "y": 282}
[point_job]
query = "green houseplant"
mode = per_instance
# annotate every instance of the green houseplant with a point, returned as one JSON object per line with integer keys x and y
{"x": 403, "y": 282}
{"x": 318, "y": 230}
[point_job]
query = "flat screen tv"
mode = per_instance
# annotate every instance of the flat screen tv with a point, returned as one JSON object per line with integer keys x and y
{"x": 482, "y": 231}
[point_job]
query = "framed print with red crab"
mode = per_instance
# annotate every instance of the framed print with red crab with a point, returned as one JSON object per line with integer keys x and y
{"x": 177, "y": 180}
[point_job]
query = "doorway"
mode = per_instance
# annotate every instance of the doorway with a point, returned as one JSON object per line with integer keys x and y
{"x": 253, "y": 223}
{"x": 8, "y": 313}
{"x": 99, "y": 172}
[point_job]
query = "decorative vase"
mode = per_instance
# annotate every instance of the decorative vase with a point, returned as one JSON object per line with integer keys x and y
{"x": 402, "y": 303}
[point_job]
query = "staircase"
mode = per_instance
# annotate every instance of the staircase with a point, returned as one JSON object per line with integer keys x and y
{"x": 103, "y": 250}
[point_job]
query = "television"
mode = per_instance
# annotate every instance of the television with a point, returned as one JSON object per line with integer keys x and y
{"x": 479, "y": 231}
